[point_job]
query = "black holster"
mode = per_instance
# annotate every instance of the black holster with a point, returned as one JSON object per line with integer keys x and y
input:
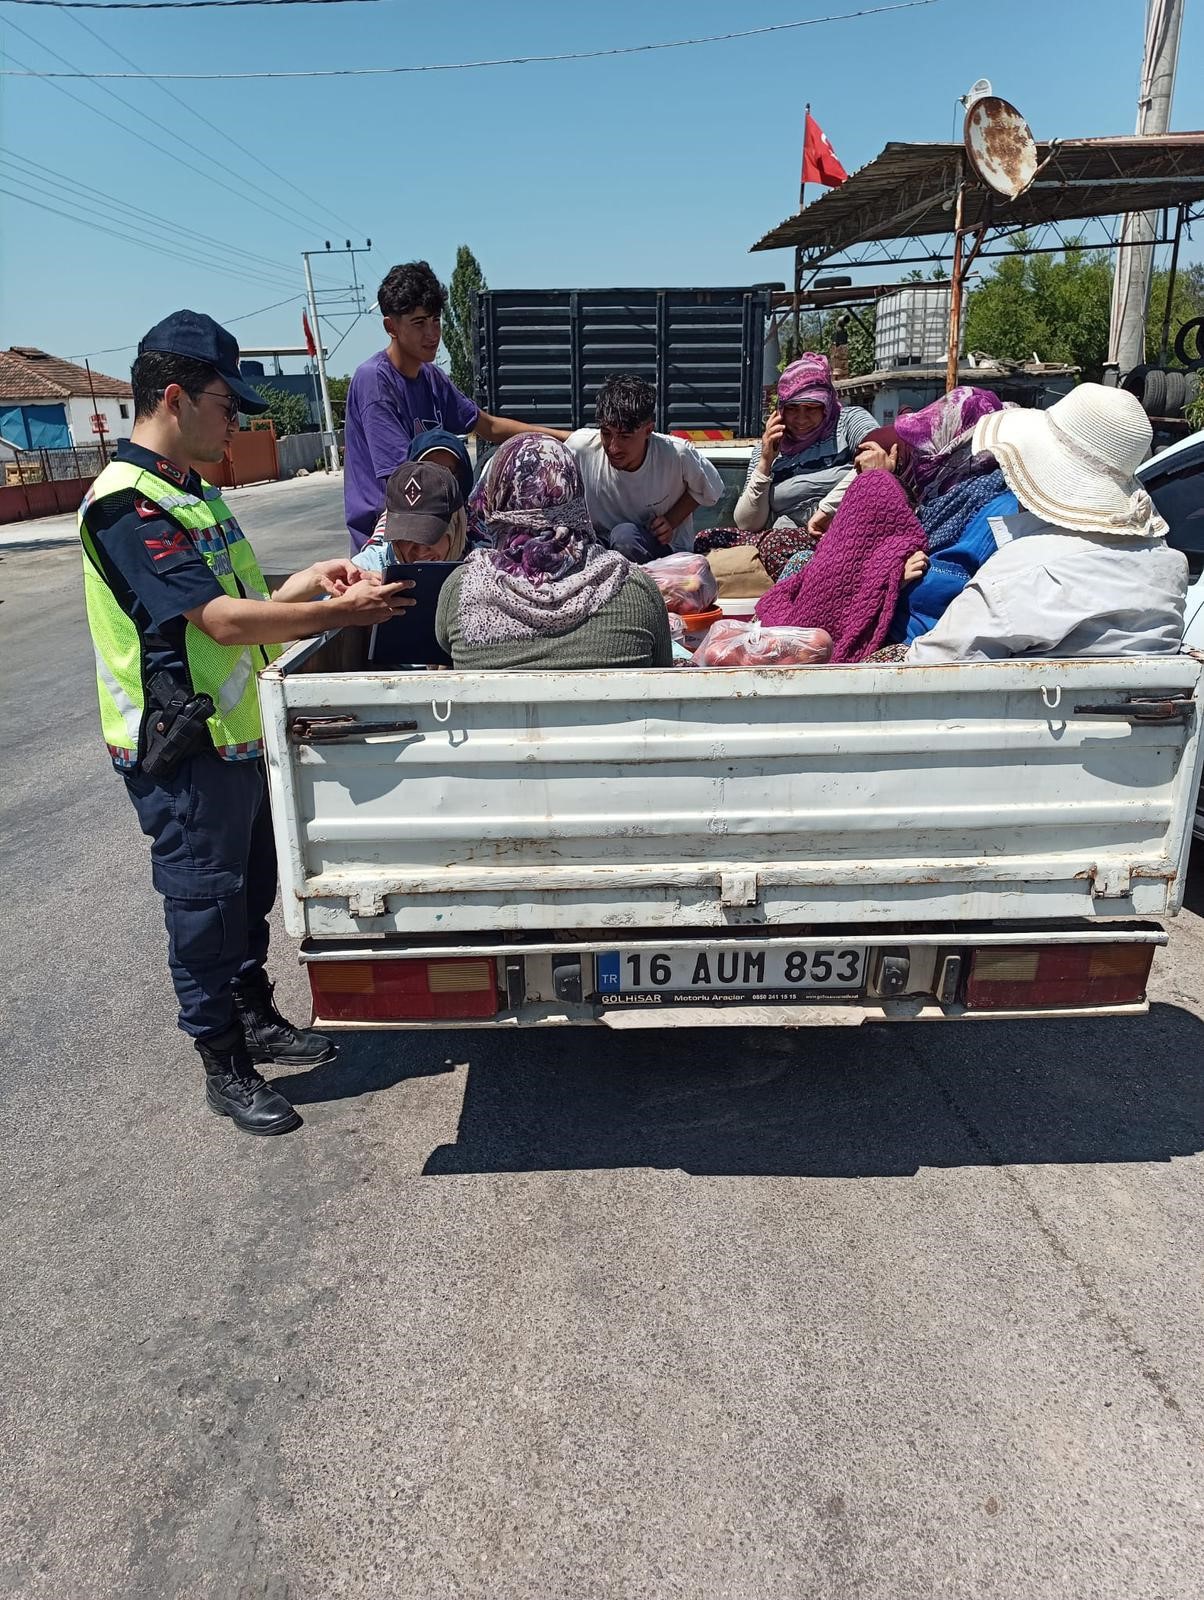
{"x": 175, "y": 727}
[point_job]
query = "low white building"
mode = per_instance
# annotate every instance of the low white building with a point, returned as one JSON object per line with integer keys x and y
{"x": 40, "y": 381}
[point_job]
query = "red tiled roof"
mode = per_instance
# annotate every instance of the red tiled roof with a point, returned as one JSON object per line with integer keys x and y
{"x": 27, "y": 373}
{"x": 20, "y": 381}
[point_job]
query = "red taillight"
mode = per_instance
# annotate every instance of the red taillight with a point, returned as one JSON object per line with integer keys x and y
{"x": 1018, "y": 976}
{"x": 403, "y": 991}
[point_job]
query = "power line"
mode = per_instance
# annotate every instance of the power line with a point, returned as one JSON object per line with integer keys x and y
{"x": 244, "y": 316}
{"x": 468, "y": 66}
{"x": 60, "y": 180}
{"x": 243, "y": 150}
{"x": 293, "y": 220}
{"x": 141, "y": 244}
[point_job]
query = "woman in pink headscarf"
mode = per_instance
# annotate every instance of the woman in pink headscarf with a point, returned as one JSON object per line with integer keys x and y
{"x": 807, "y": 449}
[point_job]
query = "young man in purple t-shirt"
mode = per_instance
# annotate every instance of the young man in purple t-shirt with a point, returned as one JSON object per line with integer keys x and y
{"x": 398, "y": 393}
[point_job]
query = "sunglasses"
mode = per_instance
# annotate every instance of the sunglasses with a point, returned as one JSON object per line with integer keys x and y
{"x": 232, "y": 405}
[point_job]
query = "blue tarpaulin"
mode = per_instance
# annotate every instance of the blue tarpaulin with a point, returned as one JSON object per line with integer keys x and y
{"x": 35, "y": 427}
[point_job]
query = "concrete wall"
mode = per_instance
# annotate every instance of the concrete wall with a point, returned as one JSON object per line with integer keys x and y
{"x": 79, "y": 418}
{"x": 299, "y": 450}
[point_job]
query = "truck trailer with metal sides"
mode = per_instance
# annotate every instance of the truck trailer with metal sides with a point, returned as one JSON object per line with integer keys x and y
{"x": 543, "y": 354}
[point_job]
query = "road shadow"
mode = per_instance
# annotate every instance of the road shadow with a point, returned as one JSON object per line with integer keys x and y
{"x": 369, "y": 1062}
{"x": 24, "y": 547}
{"x": 836, "y": 1103}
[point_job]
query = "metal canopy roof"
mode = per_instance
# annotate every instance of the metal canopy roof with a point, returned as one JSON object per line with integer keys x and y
{"x": 909, "y": 191}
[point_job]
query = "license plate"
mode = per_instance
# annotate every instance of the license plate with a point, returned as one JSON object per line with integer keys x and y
{"x": 727, "y": 975}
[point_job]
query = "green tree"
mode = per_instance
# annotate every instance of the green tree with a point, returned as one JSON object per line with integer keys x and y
{"x": 861, "y": 341}
{"x": 288, "y": 411}
{"x": 1059, "y": 309}
{"x": 457, "y": 319}
{"x": 338, "y": 388}
{"x": 816, "y": 332}
{"x": 1054, "y": 308}
{"x": 1187, "y": 303}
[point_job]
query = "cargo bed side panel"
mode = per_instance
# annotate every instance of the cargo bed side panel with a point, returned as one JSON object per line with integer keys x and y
{"x": 456, "y": 802}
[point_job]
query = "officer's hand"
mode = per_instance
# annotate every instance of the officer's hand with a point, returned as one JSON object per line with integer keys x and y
{"x": 335, "y": 577}
{"x": 368, "y": 602}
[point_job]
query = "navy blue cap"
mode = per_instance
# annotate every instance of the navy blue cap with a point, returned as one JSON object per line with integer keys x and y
{"x": 439, "y": 439}
{"x": 192, "y": 333}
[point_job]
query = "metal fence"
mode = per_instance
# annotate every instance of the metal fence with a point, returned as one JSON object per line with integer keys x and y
{"x": 55, "y": 466}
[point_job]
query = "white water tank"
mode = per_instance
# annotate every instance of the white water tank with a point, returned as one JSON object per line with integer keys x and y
{"x": 912, "y": 328}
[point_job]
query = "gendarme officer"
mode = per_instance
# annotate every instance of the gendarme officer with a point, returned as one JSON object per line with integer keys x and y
{"x": 181, "y": 622}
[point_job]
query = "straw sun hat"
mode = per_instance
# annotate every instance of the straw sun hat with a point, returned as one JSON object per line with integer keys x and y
{"x": 1074, "y": 464}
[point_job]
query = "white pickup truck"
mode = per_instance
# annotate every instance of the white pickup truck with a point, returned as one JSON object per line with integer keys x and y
{"x": 785, "y": 846}
{"x": 673, "y": 847}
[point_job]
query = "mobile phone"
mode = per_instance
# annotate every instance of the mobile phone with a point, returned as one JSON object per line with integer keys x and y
{"x": 408, "y": 639}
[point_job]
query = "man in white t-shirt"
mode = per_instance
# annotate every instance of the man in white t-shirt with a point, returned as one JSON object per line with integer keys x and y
{"x": 642, "y": 488}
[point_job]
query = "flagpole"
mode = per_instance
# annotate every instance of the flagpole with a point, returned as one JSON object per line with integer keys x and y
{"x": 798, "y": 249}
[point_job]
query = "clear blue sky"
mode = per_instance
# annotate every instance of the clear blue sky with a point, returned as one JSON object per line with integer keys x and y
{"x": 651, "y": 169}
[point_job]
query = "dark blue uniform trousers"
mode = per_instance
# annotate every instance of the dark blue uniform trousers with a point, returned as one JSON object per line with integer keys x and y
{"x": 213, "y": 859}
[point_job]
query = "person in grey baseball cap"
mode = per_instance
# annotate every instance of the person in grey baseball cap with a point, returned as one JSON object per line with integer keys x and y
{"x": 424, "y": 519}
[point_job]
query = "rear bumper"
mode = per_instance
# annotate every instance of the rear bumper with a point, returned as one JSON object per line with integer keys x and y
{"x": 544, "y": 983}
{"x": 850, "y": 1015}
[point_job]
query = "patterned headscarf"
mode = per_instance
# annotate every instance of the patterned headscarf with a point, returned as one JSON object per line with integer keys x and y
{"x": 808, "y": 382}
{"x": 889, "y": 439}
{"x": 936, "y": 431}
{"x": 533, "y": 505}
{"x": 546, "y": 571}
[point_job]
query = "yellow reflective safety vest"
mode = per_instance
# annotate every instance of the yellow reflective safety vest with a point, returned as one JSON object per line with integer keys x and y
{"x": 226, "y": 673}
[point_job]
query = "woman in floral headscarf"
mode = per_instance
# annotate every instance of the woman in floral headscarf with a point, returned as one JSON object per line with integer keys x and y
{"x": 545, "y": 593}
{"x": 807, "y": 449}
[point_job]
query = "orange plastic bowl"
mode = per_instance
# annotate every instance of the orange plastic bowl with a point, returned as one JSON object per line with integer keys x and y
{"x": 697, "y": 622}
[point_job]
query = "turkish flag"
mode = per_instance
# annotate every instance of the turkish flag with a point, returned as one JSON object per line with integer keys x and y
{"x": 820, "y": 164}
{"x": 310, "y": 342}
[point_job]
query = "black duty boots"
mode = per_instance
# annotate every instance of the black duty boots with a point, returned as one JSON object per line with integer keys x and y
{"x": 269, "y": 1037}
{"x": 234, "y": 1089}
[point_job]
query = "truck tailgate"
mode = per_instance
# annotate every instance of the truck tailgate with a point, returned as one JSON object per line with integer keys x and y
{"x": 446, "y": 803}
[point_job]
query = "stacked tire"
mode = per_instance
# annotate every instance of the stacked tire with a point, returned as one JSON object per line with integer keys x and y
{"x": 1163, "y": 391}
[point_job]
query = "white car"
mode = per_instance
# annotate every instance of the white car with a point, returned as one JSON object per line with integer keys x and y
{"x": 1175, "y": 479}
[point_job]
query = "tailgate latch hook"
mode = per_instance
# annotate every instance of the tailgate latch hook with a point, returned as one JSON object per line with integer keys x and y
{"x": 738, "y": 889}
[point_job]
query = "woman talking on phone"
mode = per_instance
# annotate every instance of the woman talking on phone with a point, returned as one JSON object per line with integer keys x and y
{"x": 807, "y": 449}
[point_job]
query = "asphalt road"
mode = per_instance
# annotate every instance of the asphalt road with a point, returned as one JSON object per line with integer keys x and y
{"x": 872, "y": 1314}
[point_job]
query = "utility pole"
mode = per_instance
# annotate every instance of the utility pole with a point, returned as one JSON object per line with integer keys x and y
{"x": 329, "y": 436}
{"x": 328, "y": 428}
{"x": 1134, "y": 265}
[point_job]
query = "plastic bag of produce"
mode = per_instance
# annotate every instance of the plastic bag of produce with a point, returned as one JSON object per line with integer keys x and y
{"x": 677, "y": 628}
{"x": 686, "y": 582}
{"x": 744, "y": 644}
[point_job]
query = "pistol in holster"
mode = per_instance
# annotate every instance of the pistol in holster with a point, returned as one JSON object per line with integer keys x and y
{"x": 177, "y": 725}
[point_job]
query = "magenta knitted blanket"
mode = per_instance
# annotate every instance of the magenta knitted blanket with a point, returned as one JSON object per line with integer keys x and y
{"x": 851, "y": 585}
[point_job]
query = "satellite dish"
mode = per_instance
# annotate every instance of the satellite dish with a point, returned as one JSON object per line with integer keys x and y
{"x": 1000, "y": 146}
{"x": 981, "y": 89}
